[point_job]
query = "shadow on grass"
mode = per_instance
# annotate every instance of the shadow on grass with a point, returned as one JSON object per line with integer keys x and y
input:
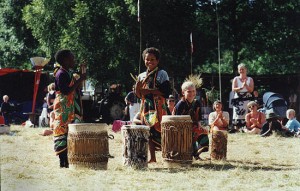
{"x": 229, "y": 165}
{"x": 233, "y": 164}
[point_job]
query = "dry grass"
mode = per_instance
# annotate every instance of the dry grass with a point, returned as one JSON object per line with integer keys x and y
{"x": 253, "y": 163}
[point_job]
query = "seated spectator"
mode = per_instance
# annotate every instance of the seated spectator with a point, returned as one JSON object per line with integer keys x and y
{"x": 171, "y": 104}
{"x": 133, "y": 105}
{"x": 293, "y": 124}
{"x": 50, "y": 97}
{"x": 254, "y": 119}
{"x": 273, "y": 125}
{"x": 219, "y": 119}
{"x": 43, "y": 118}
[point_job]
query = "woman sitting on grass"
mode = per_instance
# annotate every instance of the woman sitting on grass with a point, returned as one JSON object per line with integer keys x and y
{"x": 254, "y": 119}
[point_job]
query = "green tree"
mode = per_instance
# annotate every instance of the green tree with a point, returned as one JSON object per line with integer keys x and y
{"x": 16, "y": 42}
{"x": 274, "y": 35}
{"x": 48, "y": 21}
{"x": 262, "y": 34}
{"x": 107, "y": 35}
{"x": 108, "y": 53}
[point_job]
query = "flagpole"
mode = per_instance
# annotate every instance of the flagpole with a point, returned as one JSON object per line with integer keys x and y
{"x": 191, "y": 63}
{"x": 139, "y": 20}
{"x": 219, "y": 52}
{"x": 192, "y": 50}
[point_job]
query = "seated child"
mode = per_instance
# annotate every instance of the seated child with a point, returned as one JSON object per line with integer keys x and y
{"x": 188, "y": 105}
{"x": 293, "y": 124}
{"x": 273, "y": 125}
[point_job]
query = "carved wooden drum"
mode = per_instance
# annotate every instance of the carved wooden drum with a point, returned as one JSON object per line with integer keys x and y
{"x": 135, "y": 145}
{"x": 219, "y": 145}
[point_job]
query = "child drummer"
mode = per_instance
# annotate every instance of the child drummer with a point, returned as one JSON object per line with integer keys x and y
{"x": 153, "y": 87}
{"x": 188, "y": 105}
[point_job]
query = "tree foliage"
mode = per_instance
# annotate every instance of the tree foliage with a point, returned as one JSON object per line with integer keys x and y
{"x": 16, "y": 41}
{"x": 262, "y": 35}
{"x": 107, "y": 35}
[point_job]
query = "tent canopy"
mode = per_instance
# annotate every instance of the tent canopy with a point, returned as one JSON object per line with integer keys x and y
{"x": 5, "y": 71}
{"x": 19, "y": 84}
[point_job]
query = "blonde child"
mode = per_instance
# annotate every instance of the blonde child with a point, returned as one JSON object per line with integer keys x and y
{"x": 293, "y": 124}
{"x": 188, "y": 105}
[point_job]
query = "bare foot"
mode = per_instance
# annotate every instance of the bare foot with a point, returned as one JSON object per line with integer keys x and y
{"x": 152, "y": 160}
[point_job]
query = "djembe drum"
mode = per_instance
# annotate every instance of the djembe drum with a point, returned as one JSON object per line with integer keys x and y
{"x": 176, "y": 140}
{"x": 219, "y": 145}
{"x": 88, "y": 146}
{"x": 135, "y": 145}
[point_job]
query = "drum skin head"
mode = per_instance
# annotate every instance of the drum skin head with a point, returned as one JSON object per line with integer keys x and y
{"x": 142, "y": 127}
{"x": 91, "y": 127}
{"x": 175, "y": 117}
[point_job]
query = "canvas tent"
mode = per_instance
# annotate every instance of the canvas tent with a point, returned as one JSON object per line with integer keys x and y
{"x": 19, "y": 85}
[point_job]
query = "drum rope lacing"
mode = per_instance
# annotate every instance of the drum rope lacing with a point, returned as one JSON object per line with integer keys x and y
{"x": 175, "y": 151}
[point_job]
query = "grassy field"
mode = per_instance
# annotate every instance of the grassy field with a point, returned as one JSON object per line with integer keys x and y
{"x": 253, "y": 163}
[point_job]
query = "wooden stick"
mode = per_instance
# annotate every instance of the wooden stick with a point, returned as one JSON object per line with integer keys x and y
{"x": 83, "y": 71}
{"x": 134, "y": 77}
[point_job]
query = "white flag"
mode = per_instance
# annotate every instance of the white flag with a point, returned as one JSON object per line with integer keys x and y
{"x": 191, "y": 40}
{"x": 138, "y": 8}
